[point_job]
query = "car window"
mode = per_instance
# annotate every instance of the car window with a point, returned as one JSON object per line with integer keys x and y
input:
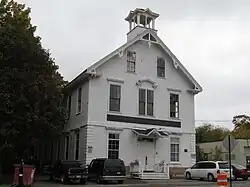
{"x": 223, "y": 165}
{"x": 195, "y": 166}
{"x": 239, "y": 167}
{"x": 114, "y": 163}
{"x": 203, "y": 165}
{"x": 210, "y": 165}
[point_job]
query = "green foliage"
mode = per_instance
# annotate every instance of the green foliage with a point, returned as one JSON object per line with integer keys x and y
{"x": 210, "y": 133}
{"x": 241, "y": 127}
{"x": 31, "y": 99}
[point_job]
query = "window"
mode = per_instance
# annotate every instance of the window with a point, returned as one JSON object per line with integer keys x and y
{"x": 67, "y": 148}
{"x": 223, "y": 165}
{"x": 131, "y": 59}
{"x": 210, "y": 165}
{"x": 79, "y": 100}
{"x": 77, "y": 145}
{"x": 146, "y": 102}
{"x": 160, "y": 67}
{"x": 114, "y": 98}
{"x": 174, "y": 106}
{"x": 69, "y": 105}
{"x": 175, "y": 150}
{"x": 58, "y": 149}
{"x": 113, "y": 146}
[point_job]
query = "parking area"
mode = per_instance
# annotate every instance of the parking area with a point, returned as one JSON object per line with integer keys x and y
{"x": 149, "y": 183}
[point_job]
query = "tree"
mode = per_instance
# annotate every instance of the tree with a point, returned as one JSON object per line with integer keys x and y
{"x": 200, "y": 155}
{"x": 241, "y": 126}
{"x": 210, "y": 133}
{"x": 31, "y": 99}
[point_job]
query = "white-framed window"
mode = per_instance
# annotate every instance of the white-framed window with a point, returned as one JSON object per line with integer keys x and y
{"x": 77, "y": 145}
{"x": 113, "y": 145}
{"x": 131, "y": 60}
{"x": 115, "y": 98}
{"x": 175, "y": 149}
{"x": 79, "y": 100}
{"x": 69, "y": 106}
{"x": 174, "y": 105}
{"x": 161, "y": 67}
{"x": 146, "y": 102}
{"x": 67, "y": 147}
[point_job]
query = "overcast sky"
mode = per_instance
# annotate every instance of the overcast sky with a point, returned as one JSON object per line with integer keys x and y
{"x": 211, "y": 39}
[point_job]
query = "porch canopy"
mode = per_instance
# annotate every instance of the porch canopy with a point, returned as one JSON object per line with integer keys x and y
{"x": 151, "y": 133}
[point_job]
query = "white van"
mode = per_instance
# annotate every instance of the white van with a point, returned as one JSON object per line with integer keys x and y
{"x": 207, "y": 170}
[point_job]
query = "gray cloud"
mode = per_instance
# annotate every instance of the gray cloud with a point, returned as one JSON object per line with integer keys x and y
{"x": 211, "y": 38}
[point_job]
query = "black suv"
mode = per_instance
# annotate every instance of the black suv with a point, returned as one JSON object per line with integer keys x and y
{"x": 104, "y": 170}
{"x": 67, "y": 171}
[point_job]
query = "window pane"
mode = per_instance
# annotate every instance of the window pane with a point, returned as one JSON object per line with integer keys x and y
{"x": 150, "y": 96}
{"x": 142, "y": 108}
{"x": 150, "y": 109}
{"x": 115, "y": 91}
{"x": 174, "y": 105}
{"x": 160, "y": 67}
{"x": 142, "y": 101}
{"x": 114, "y": 101}
{"x": 142, "y": 95}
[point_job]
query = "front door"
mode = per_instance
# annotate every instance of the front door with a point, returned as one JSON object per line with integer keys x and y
{"x": 146, "y": 153}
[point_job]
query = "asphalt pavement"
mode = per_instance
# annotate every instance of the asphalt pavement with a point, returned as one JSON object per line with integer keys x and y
{"x": 149, "y": 183}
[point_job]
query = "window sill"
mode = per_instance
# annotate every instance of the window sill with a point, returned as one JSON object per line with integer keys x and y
{"x": 146, "y": 116}
{"x": 175, "y": 163}
{"x": 114, "y": 112}
{"x": 131, "y": 72}
{"x": 161, "y": 77}
{"x": 175, "y": 119}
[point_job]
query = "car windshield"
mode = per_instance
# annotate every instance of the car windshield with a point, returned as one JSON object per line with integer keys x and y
{"x": 239, "y": 167}
{"x": 114, "y": 163}
{"x": 223, "y": 165}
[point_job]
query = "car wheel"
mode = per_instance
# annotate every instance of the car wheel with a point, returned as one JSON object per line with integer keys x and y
{"x": 63, "y": 179}
{"x": 98, "y": 181}
{"x": 210, "y": 177}
{"x": 245, "y": 178}
{"x": 51, "y": 178}
{"x": 234, "y": 178}
{"x": 82, "y": 181}
{"x": 188, "y": 176}
{"x": 120, "y": 182}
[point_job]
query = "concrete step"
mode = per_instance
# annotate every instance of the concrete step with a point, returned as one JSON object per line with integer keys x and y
{"x": 150, "y": 176}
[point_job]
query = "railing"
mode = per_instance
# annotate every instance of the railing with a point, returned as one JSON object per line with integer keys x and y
{"x": 162, "y": 167}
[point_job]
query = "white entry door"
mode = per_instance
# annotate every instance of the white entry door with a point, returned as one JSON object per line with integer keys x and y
{"x": 146, "y": 154}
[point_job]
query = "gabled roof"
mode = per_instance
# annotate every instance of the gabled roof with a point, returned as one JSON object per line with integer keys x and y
{"x": 91, "y": 71}
{"x": 177, "y": 64}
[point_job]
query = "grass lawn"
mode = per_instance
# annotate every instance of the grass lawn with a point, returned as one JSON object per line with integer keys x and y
{"x": 4, "y": 185}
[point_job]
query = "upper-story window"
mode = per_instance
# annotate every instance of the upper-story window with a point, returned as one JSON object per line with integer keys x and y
{"x": 79, "y": 100}
{"x": 115, "y": 98}
{"x": 174, "y": 105}
{"x": 69, "y": 106}
{"x": 160, "y": 67}
{"x": 131, "y": 59}
{"x": 146, "y": 102}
